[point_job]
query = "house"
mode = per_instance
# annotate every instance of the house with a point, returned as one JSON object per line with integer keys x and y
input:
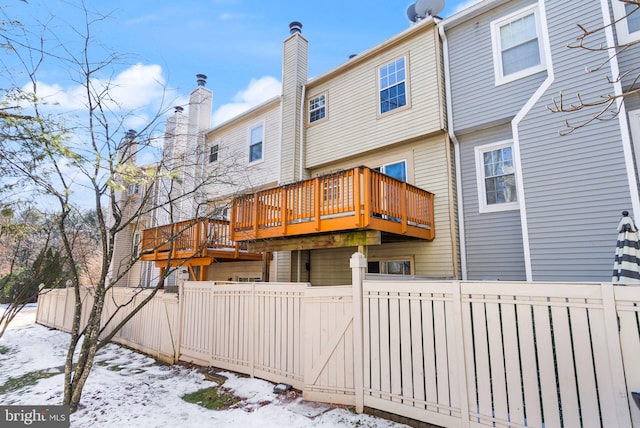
{"x": 355, "y": 159}
{"x": 436, "y": 153}
{"x": 536, "y": 204}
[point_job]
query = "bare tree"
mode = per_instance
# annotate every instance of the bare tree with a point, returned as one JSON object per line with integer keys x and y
{"x": 607, "y": 106}
{"x": 95, "y": 158}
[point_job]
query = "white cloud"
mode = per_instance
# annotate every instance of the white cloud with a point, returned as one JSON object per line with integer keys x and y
{"x": 137, "y": 87}
{"x": 258, "y": 91}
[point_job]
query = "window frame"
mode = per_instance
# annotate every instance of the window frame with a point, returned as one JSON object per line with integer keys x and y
{"x": 310, "y": 110}
{"x": 634, "y": 125}
{"x": 406, "y": 82}
{"x": 213, "y": 152}
{"x": 483, "y": 205}
{"x": 136, "y": 244}
{"x": 496, "y": 46}
{"x": 251, "y": 144}
{"x": 133, "y": 189}
{"x": 622, "y": 27}
{"x": 384, "y": 265}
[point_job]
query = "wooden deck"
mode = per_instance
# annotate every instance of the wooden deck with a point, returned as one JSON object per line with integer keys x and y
{"x": 193, "y": 243}
{"x": 355, "y": 199}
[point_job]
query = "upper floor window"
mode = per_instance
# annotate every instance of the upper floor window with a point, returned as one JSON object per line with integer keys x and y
{"x": 517, "y": 46}
{"x": 317, "y": 108}
{"x": 255, "y": 143}
{"x": 133, "y": 189}
{"x": 213, "y": 153}
{"x": 137, "y": 238}
{"x": 628, "y": 21}
{"x": 392, "y": 85}
{"x": 495, "y": 170}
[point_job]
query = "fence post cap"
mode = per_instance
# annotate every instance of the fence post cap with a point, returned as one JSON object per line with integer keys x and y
{"x": 358, "y": 260}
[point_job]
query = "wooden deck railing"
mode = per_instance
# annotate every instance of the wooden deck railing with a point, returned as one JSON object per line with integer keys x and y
{"x": 359, "y": 198}
{"x": 187, "y": 239}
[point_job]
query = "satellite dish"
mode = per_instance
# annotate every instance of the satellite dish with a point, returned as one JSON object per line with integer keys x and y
{"x": 411, "y": 13}
{"x": 428, "y": 7}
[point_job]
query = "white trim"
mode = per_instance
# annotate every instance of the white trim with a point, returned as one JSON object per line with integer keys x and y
{"x": 516, "y": 138}
{"x": 483, "y": 206}
{"x": 634, "y": 126}
{"x": 321, "y": 94}
{"x": 406, "y": 85}
{"x": 501, "y": 79}
{"x": 258, "y": 124}
{"x": 622, "y": 112}
{"x": 622, "y": 29}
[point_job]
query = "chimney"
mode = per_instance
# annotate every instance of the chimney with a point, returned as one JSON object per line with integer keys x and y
{"x": 295, "y": 27}
{"x": 202, "y": 79}
{"x": 294, "y": 78}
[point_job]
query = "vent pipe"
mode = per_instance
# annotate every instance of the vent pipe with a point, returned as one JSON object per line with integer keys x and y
{"x": 295, "y": 27}
{"x": 202, "y": 79}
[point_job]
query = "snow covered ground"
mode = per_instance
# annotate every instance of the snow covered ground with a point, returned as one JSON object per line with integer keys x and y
{"x": 127, "y": 389}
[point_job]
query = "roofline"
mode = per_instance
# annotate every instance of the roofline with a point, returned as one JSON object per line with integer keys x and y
{"x": 244, "y": 114}
{"x": 419, "y": 26}
{"x": 471, "y": 12}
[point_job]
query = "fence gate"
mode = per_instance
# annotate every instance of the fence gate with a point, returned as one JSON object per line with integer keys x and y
{"x": 328, "y": 326}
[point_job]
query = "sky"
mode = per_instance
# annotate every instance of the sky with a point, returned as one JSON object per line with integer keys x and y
{"x": 128, "y": 389}
{"x": 236, "y": 43}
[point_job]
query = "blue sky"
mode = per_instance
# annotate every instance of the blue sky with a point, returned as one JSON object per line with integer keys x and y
{"x": 236, "y": 43}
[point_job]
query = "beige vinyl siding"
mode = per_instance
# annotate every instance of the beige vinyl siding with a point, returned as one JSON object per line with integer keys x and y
{"x": 354, "y": 125}
{"x": 331, "y": 266}
{"x": 427, "y": 168}
{"x": 229, "y": 271}
{"x": 233, "y": 142}
{"x": 294, "y": 76}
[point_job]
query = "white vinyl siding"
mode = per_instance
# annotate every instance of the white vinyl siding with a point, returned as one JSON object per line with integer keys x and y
{"x": 496, "y": 178}
{"x": 628, "y": 25}
{"x": 517, "y": 46}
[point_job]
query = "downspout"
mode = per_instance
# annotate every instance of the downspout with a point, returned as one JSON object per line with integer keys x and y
{"x": 622, "y": 111}
{"x": 456, "y": 149}
{"x": 300, "y": 162}
{"x": 515, "y": 123}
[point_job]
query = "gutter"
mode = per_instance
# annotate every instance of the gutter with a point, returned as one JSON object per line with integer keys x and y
{"x": 627, "y": 144}
{"x": 456, "y": 149}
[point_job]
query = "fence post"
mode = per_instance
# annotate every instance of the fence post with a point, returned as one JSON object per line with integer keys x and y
{"x": 358, "y": 264}
{"x": 615, "y": 355}
{"x": 460, "y": 353}
{"x": 181, "y": 299}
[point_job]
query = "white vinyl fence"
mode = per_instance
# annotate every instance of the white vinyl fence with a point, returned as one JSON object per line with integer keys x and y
{"x": 153, "y": 330}
{"x": 450, "y": 353}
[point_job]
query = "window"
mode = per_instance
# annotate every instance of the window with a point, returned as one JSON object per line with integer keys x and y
{"x": 389, "y": 267}
{"x": 396, "y": 170}
{"x": 628, "y": 25}
{"x": 317, "y": 108}
{"x": 392, "y": 85}
{"x": 133, "y": 189}
{"x": 213, "y": 153}
{"x": 136, "y": 245}
{"x": 496, "y": 177}
{"x": 517, "y": 46}
{"x": 255, "y": 144}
